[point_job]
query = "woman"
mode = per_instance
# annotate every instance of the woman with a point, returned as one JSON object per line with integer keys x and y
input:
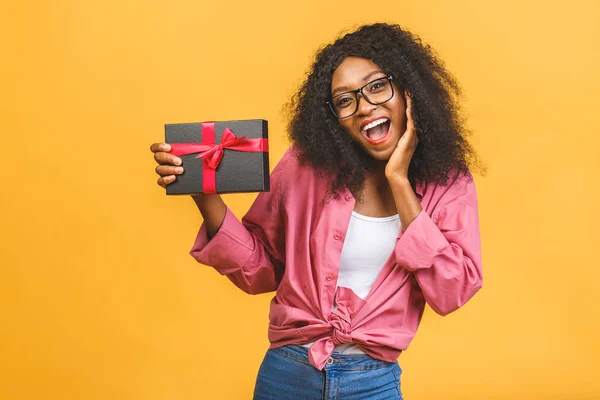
{"x": 372, "y": 213}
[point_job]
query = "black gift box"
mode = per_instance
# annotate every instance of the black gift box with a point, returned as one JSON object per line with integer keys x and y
{"x": 238, "y": 171}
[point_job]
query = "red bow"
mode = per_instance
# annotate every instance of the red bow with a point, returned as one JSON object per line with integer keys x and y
{"x": 214, "y": 153}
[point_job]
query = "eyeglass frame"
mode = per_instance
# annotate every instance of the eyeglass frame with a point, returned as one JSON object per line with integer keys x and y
{"x": 390, "y": 78}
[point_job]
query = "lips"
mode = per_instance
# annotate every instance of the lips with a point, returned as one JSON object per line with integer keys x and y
{"x": 376, "y": 130}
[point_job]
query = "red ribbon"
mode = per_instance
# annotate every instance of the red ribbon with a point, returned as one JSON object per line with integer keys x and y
{"x": 212, "y": 153}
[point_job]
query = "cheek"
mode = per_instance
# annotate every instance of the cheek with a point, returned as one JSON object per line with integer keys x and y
{"x": 399, "y": 113}
{"x": 346, "y": 126}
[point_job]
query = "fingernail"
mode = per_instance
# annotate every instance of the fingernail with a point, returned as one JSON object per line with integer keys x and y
{"x": 179, "y": 170}
{"x": 177, "y": 161}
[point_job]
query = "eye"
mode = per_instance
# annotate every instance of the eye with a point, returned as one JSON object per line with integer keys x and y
{"x": 378, "y": 85}
{"x": 343, "y": 101}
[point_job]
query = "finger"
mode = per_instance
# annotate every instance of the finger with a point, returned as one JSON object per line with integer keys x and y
{"x": 410, "y": 123}
{"x": 164, "y": 170}
{"x": 166, "y": 158}
{"x": 160, "y": 147}
{"x": 165, "y": 180}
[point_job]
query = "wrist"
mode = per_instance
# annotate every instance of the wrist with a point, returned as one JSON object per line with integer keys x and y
{"x": 202, "y": 199}
{"x": 397, "y": 178}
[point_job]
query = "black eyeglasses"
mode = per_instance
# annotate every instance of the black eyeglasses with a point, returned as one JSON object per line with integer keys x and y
{"x": 376, "y": 92}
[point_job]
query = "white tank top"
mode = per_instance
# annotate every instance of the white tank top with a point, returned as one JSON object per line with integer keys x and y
{"x": 368, "y": 244}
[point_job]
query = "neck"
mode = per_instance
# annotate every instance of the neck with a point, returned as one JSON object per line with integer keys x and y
{"x": 377, "y": 181}
{"x": 377, "y": 197}
{"x": 377, "y": 175}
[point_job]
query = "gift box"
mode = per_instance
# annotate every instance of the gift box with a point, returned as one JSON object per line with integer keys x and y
{"x": 220, "y": 157}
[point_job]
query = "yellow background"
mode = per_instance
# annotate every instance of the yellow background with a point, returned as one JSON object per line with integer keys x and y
{"x": 99, "y": 297}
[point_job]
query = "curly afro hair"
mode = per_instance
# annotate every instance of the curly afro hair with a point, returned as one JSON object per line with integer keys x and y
{"x": 321, "y": 142}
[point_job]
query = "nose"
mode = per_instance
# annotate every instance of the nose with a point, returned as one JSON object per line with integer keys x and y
{"x": 363, "y": 106}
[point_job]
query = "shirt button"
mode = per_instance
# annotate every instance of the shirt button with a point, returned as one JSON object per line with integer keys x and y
{"x": 336, "y": 236}
{"x": 328, "y": 277}
{"x": 348, "y": 197}
{"x": 330, "y": 361}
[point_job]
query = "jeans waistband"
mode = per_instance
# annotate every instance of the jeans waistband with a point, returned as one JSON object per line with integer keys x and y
{"x": 337, "y": 361}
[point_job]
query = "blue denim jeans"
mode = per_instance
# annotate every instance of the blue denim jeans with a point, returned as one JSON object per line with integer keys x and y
{"x": 285, "y": 374}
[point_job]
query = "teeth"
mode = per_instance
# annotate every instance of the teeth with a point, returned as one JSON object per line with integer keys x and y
{"x": 375, "y": 123}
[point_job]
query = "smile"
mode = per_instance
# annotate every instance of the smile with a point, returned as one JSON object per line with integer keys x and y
{"x": 376, "y": 131}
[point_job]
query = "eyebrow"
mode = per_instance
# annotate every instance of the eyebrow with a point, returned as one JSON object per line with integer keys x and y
{"x": 345, "y": 88}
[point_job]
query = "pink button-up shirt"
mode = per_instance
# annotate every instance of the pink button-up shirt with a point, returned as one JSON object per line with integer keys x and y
{"x": 291, "y": 240}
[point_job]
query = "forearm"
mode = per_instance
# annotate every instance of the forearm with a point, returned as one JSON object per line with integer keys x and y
{"x": 444, "y": 250}
{"x": 238, "y": 253}
{"x": 452, "y": 280}
{"x": 213, "y": 210}
{"x": 406, "y": 200}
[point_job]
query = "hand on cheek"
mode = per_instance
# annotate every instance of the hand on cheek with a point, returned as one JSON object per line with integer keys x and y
{"x": 397, "y": 166}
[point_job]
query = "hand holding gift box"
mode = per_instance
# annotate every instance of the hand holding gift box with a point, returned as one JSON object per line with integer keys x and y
{"x": 220, "y": 157}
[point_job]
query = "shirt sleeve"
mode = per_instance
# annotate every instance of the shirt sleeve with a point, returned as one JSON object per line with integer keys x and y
{"x": 251, "y": 252}
{"x": 444, "y": 250}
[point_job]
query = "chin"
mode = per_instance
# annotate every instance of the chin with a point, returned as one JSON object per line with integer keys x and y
{"x": 381, "y": 154}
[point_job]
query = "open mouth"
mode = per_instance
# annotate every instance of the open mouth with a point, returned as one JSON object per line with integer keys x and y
{"x": 378, "y": 131}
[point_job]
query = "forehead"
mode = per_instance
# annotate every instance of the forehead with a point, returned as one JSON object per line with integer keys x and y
{"x": 352, "y": 72}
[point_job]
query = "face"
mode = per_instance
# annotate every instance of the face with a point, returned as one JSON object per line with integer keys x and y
{"x": 376, "y": 128}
